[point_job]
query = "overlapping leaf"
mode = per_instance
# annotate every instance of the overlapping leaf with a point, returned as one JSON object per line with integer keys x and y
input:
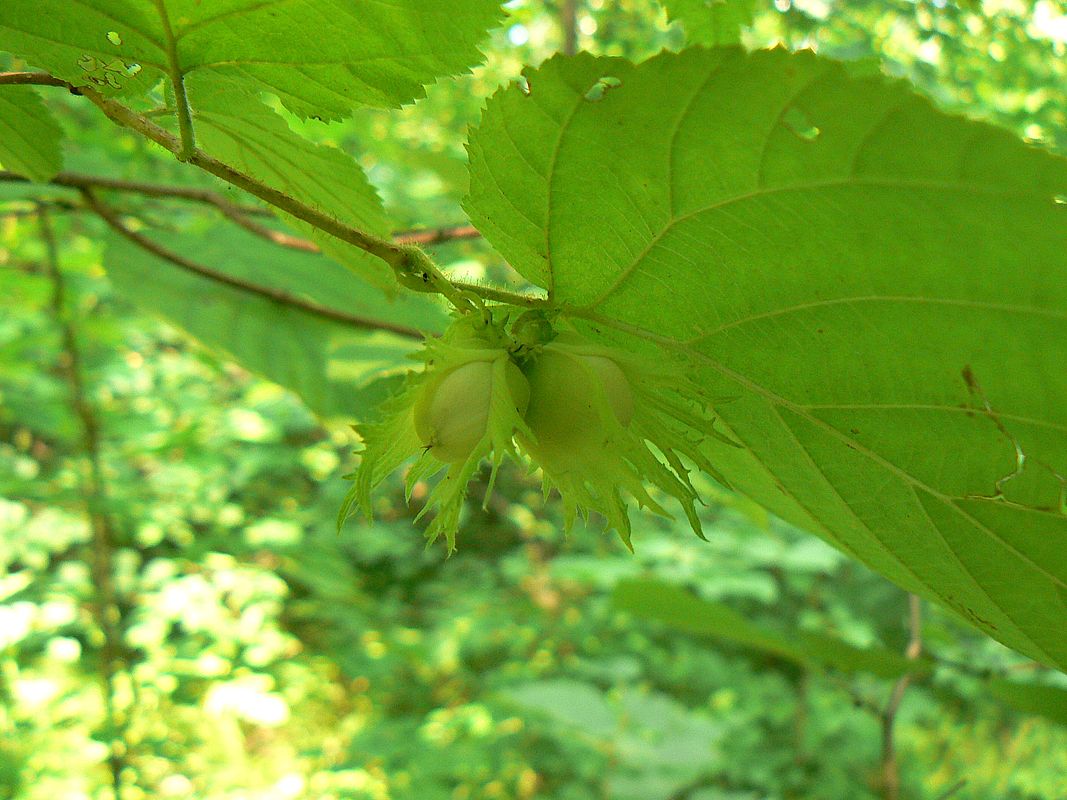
{"x": 29, "y": 136}
{"x": 714, "y": 22}
{"x": 321, "y": 57}
{"x": 882, "y": 288}
{"x": 237, "y": 128}
{"x": 331, "y": 364}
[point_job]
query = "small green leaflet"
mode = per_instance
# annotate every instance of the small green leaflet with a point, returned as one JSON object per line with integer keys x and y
{"x": 320, "y": 57}
{"x": 29, "y": 135}
{"x": 880, "y": 286}
{"x": 712, "y": 22}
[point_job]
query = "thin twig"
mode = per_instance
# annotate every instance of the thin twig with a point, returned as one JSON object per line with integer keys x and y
{"x": 952, "y": 789}
{"x": 414, "y": 269}
{"x": 113, "y": 220}
{"x": 238, "y": 217}
{"x": 34, "y": 79}
{"x": 106, "y": 610}
{"x": 890, "y": 768}
{"x": 568, "y": 20}
{"x": 29, "y": 267}
{"x": 77, "y": 180}
{"x": 430, "y": 236}
{"x": 412, "y": 266}
{"x": 57, "y": 206}
{"x": 394, "y": 255}
{"x": 238, "y": 212}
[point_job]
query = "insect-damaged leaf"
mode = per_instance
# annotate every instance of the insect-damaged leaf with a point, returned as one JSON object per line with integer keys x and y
{"x": 320, "y": 57}
{"x": 880, "y": 286}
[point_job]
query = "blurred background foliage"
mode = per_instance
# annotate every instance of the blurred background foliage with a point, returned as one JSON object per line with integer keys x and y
{"x": 179, "y": 618}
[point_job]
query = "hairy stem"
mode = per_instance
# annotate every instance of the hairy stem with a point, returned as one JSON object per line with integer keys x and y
{"x": 105, "y": 607}
{"x": 412, "y": 266}
{"x": 502, "y": 295}
{"x": 414, "y": 269}
{"x": 177, "y": 79}
{"x": 394, "y": 255}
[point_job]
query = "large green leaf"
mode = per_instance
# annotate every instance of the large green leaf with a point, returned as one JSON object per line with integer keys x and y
{"x": 334, "y": 366}
{"x": 320, "y": 57}
{"x": 881, "y": 287}
{"x": 29, "y": 136}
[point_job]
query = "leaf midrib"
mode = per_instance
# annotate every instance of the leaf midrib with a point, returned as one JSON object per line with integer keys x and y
{"x": 1039, "y": 423}
{"x": 845, "y": 182}
{"x": 986, "y": 305}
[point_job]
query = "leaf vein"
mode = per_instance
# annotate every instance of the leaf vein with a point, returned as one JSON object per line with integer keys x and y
{"x": 851, "y": 181}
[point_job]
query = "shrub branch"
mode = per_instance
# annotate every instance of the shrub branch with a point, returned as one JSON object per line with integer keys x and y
{"x": 105, "y": 607}
{"x": 412, "y": 266}
{"x": 114, "y": 221}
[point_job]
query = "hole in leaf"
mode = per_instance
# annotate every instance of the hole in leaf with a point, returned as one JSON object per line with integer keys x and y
{"x": 524, "y": 85}
{"x": 132, "y": 69}
{"x": 797, "y": 121}
{"x": 114, "y": 38}
{"x": 600, "y": 88}
{"x": 1060, "y": 199}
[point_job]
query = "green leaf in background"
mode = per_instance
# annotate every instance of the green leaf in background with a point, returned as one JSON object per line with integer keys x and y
{"x": 1046, "y": 701}
{"x": 882, "y": 287}
{"x": 713, "y": 22}
{"x": 680, "y": 610}
{"x": 332, "y": 365}
{"x": 684, "y": 611}
{"x": 29, "y": 136}
{"x": 235, "y": 127}
{"x": 658, "y": 746}
{"x": 569, "y": 702}
{"x": 320, "y": 57}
